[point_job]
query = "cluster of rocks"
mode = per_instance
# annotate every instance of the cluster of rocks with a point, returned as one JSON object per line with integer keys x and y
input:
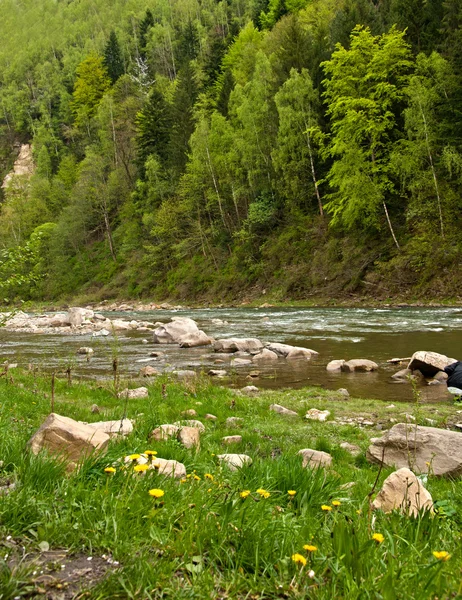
{"x": 425, "y": 367}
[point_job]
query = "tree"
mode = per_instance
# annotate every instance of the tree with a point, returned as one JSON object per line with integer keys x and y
{"x": 295, "y": 156}
{"x": 90, "y": 86}
{"x": 113, "y": 59}
{"x": 365, "y": 90}
{"x": 145, "y": 25}
{"x": 153, "y": 129}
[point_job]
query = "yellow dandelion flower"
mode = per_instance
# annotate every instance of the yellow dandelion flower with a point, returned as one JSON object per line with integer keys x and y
{"x": 336, "y": 503}
{"x": 244, "y": 493}
{"x": 263, "y": 493}
{"x": 140, "y": 468}
{"x": 299, "y": 558}
{"x": 310, "y": 548}
{"x": 209, "y": 476}
{"x": 197, "y": 478}
{"x": 189, "y": 476}
{"x": 291, "y": 492}
{"x": 155, "y": 493}
{"x": 442, "y": 555}
{"x": 134, "y": 456}
{"x": 209, "y": 490}
{"x": 109, "y": 470}
{"x": 378, "y": 537}
{"x": 358, "y": 512}
{"x": 326, "y": 507}
{"x": 184, "y": 480}
{"x": 150, "y": 452}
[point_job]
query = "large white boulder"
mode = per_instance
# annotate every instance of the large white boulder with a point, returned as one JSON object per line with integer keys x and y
{"x": 174, "y": 331}
{"x": 77, "y": 315}
{"x": 429, "y": 363}
{"x": 404, "y": 492}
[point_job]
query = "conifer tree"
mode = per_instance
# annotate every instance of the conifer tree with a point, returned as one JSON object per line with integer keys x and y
{"x": 113, "y": 58}
{"x": 153, "y": 126}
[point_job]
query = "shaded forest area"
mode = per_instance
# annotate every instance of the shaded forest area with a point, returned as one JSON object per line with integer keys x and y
{"x": 199, "y": 149}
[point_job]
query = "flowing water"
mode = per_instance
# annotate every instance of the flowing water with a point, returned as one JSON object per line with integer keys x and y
{"x": 376, "y": 334}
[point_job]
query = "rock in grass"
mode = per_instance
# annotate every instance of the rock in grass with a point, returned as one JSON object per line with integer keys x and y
{"x": 404, "y": 492}
{"x": 429, "y": 363}
{"x": 210, "y": 417}
{"x": 169, "y": 468}
{"x": 317, "y": 415}
{"x": 282, "y": 410}
{"x": 64, "y": 437}
{"x": 234, "y": 422}
{"x": 95, "y": 409}
{"x": 189, "y": 413}
{"x": 135, "y": 394}
{"x": 232, "y": 439}
{"x": 250, "y": 389}
{"x": 189, "y": 437}
{"x": 335, "y": 366}
{"x": 235, "y": 461}
{"x": 85, "y": 350}
{"x": 315, "y": 458}
{"x": 148, "y": 371}
{"x": 113, "y": 428}
{"x": 360, "y": 364}
{"x": 191, "y": 423}
{"x": 352, "y": 449}
{"x": 164, "y": 432}
{"x": 423, "y": 449}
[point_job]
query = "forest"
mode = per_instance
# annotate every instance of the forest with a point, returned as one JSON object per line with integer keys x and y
{"x": 219, "y": 150}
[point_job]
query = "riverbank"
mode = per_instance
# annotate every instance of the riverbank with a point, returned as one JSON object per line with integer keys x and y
{"x": 103, "y": 534}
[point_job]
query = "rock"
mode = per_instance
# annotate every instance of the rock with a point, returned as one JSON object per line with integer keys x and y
{"x": 217, "y": 373}
{"x": 185, "y": 374}
{"x": 85, "y": 350}
{"x": 76, "y": 316}
{"x": 156, "y": 354}
{"x": 403, "y": 374}
{"x": 397, "y": 361}
{"x": 189, "y": 413}
{"x": 317, "y": 415}
{"x": 232, "y": 439}
{"x": 343, "y": 392}
{"x": 423, "y": 449}
{"x": 229, "y": 345}
{"x": 113, "y": 428}
{"x": 193, "y": 340}
{"x": 390, "y": 406}
{"x": 441, "y": 376}
{"x": 352, "y": 449}
{"x": 250, "y": 389}
{"x": 135, "y": 394}
{"x": 348, "y": 485}
{"x": 234, "y": 422}
{"x": 359, "y": 364}
{"x": 191, "y": 423}
{"x": 189, "y": 437}
{"x": 235, "y": 461}
{"x": 282, "y": 410}
{"x": 95, "y": 409}
{"x": 164, "y": 432}
{"x": 435, "y": 382}
{"x": 404, "y": 492}
{"x": 335, "y": 366}
{"x": 62, "y": 436}
{"x": 210, "y": 417}
{"x": 285, "y": 350}
{"x": 429, "y": 363}
{"x": 264, "y": 356}
{"x": 315, "y": 458}
{"x": 60, "y": 320}
{"x": 101, "y": 333}
{"x": 169, "y": 468}
{"x": 181, "y": 330}
{"x": 253, "y": 375}
{"x": 148, "y": 371}
{"x": 240, "y": 362}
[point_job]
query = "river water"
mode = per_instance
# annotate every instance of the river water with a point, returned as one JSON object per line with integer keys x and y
{"x": 378, "y": 334}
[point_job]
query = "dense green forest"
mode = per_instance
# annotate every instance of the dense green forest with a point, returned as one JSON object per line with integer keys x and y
{"x": 214, "y": 149}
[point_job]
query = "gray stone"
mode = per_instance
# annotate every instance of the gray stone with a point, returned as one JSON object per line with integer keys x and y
{"x": 114, "y": 428}
{"x": 265, "y": 356}
{"x": 229, "y": 345}
{"x": 234, "y": 422}
{"x": 85, "y": 350}
{"x": 164, "y": 432}
{"x": 282, "y": 410}
{"x": 360, "y": 364}
{"x": 235, "y": 461}
{"x": 232, "y": 439}
{"x": 352, "y": 449}
{"x": 173, "y": 332}
{"x": 429, "y": 363}
{"x": 250, "y": 389}
{"x": 217, "y": 373}
{"x": 285, "y": 350}
{"x": 315, "y": 458}
{"x": 135, "y": 394}
{"x": 189, "y": 437}
{"x": 335, "y": 366}
{"x": 317, "y": 415}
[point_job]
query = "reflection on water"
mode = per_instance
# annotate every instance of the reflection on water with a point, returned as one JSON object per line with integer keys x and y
{"x": 376, "y": 334}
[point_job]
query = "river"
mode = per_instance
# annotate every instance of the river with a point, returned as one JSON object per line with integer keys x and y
{"x": 378, "y": 334}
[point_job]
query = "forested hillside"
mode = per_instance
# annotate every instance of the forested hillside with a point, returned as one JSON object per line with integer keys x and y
{"x": 215, "y": 149}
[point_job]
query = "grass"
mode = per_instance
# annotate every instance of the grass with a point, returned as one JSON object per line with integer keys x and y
{"x": 202, "y": 539}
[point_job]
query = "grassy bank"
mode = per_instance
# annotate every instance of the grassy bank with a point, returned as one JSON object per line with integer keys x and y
{"x": 202, "y": 539}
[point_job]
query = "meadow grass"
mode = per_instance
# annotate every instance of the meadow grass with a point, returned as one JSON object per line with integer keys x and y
{"x": 202, "y": 539}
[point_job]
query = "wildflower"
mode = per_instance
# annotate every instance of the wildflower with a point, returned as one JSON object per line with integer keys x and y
{"x": 209, "y": 476}
{"x": 197, "y": 478}
{"x": 310, "y": 548}
{"x": 209, "y": 490}
{"x": 291, "y": 492}
{"x": 140, "y": 468}
{"x": 443, "y": 555}
{"x": 263, "y": 493}
{"x": 155, "y": 493}
{"x": 336, "y": 503}
{"x": 244, "y": 493}
{"x": 358, "y": 512}
{"x": 378, "y": 537}
{"x": 298, "y": 558}
{"x": 109, "y": 470}
{"x": 150, "y": 452}
{"x": 134, "y": 456}
{"x": 326, "y": 507}
{"x": 311, "y": 574}
{"x": 184, "y": 480}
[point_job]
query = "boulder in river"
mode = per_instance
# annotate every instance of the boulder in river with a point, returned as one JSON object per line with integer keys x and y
{"x": 76, "y": 315}
{"x": 421, "y": 449}
{"x": 429, "y": 363}
{"x": 231, "y": 345}
{"x": 404, "y": 492}
{"x": 181, "y": 330}
{"x": 265, "y": 356}
{"x": 288, "y": 351}
{"x": 360, "y": 364}
{"x": 64, "y": 437}
{"x": 335, "y": 366}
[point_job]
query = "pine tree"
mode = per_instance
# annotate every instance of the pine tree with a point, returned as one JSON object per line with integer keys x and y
{"x": 153, "y": 129}
{"x": 113, "y": 58}
{"x": 145, "y": 26}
